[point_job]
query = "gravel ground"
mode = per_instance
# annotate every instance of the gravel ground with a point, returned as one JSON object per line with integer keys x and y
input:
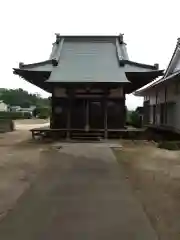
{"x": 154, "y": 174}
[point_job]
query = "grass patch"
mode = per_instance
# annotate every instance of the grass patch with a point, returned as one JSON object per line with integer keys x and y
{"x": 170, "y": 145}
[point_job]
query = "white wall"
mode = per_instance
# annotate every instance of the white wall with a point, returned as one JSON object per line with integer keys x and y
{"x": 3, "y": 107}
{"x": 177, "y": 66}
{"x": 177, "y": 114}
{"x": 172, "y": 93}
{"x": 172, "y": 96}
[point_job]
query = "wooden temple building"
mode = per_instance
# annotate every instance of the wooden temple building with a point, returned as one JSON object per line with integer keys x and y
{"x": 88, "y": 77}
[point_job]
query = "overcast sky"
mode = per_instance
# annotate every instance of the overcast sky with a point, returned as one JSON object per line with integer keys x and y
{"x": 150, "y": 28}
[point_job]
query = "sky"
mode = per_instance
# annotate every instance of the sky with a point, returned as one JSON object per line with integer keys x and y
{"x": 150, "y": 28}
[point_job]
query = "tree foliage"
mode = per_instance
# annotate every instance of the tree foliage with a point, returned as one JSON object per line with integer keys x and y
{"x": 134, "y": 119}
{"x": 19, "y": 97}
{"x": 15, "y": 115}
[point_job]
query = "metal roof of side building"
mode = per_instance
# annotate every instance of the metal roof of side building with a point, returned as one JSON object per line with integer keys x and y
{"x": 172, "y": 71}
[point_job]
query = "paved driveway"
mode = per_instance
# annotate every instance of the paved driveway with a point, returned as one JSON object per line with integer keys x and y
{"x": 81, "y": 194}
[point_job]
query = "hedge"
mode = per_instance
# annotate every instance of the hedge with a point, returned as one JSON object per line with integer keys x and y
{"x": 15, "y": 115}
{"x": 43, "y": 112}
{"x": 134, "y": 120}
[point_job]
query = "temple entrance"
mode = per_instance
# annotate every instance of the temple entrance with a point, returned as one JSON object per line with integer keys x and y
{"x": 96, "y": 114}
{"x": 78, "y": 114}
{"x": 87, "y": 114}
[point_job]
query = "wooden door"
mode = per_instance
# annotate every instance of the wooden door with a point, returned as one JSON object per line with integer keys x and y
{"x": 78, "y": 114}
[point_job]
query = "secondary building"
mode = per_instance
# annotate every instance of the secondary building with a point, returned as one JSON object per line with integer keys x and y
{"x": 3, "y": 106}
{"x": 162, "y": 97}
{"x": 88, "y": 77}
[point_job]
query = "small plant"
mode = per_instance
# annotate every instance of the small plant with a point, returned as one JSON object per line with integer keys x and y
{"x": 134, "y": 120}
{"x": 43, "y": 113}
{"x": 169, "y": 145}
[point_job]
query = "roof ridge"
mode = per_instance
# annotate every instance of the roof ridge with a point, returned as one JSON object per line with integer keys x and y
{"x": 22, "y": 65}
{"x": 59, "y": 43}
{"x": 118, "y": 52}
{"x": 152, "y": 67}
{"x": 88, "y": 35}
{"x": 172, "y": 57}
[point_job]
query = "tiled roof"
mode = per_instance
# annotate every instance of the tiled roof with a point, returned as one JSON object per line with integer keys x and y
{"x": 88, "y": 61}
{"x": 101, "y": 59}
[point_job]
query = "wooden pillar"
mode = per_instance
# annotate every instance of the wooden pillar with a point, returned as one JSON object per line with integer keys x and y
{"x": 156, "y": 108}
{"x": 68, "y": 117}
{"x": 124, "y": 112}
{"x": 105, "y": 117}
{"x": 52, "y": 111}
{"x": 105, "y": 107}
{"x": 87, "y": 116}
{"x": 165, "y": 105}
{"x": 123, "y": 105}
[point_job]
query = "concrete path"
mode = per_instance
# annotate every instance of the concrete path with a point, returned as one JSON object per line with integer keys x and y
{"x": 81, "y": 194}
{"x": 30, "y": 126}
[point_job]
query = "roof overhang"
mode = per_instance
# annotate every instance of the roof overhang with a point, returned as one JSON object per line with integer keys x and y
{"x": 37, "y": 78}
{"x": 140, "y": 79}
{"x": 142, "y": 90}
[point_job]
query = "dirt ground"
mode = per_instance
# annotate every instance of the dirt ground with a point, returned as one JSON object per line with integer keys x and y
{"x": 20, "y": 161}
{"x": 154, "y": 175}
{"x": 80, "y": 194}
{"x": 27, "y": 124}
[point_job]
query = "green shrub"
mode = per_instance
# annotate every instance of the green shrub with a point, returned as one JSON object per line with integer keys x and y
{"x": 135, "y": 120}
{"x": 27, "y": 115}
{"x": 169, "y": 145}
{"x": 43, "y": 112}
{"x": 128, "y": 117}
{"x": 15, "y": 115}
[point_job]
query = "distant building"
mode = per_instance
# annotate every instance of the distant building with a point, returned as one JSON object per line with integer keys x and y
{"x": 3, "y": 107}
{"x": 15, "y": 108}
{"x": 29, "y": 110}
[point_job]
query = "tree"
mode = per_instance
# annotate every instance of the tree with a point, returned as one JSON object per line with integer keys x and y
{"x": 135, "y": 120}
{"x": 26, "y": 104}
{"x": 19, "y": 97}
